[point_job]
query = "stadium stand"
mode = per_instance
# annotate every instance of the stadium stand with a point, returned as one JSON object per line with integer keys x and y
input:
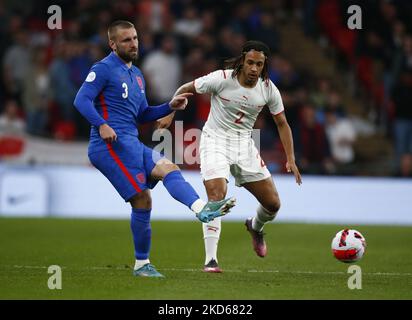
{"x": 316, "y": 61}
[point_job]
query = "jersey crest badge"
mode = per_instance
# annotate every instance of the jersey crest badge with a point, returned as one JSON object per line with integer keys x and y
{"x": 140, "y": 83}
{"x": 140, "y": 177}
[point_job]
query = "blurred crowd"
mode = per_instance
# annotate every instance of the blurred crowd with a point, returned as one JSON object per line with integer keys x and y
{"x": 380, "y": 57}
{"x": 180, "y": 40}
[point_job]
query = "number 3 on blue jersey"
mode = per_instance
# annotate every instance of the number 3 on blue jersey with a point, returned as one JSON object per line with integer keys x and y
{"x": 125, "y": 93}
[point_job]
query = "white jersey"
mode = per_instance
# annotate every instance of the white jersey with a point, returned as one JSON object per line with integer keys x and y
{"x": 234, "y": 108}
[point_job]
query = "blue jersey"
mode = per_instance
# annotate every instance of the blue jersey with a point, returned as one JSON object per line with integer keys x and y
{"x": 114, "y": 94}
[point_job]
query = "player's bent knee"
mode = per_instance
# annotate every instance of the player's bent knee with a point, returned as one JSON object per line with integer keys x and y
{"x": 166, "y": 169}
{"x": 272, "y": 206}
{"x": 142, "y": 200}
{"x": 171, "y": 167}
{"x": 163, "y": 168}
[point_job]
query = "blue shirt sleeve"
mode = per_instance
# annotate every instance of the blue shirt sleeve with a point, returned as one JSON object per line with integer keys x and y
{"x": 150, "y": 113}
{"x": 92, "y": 86}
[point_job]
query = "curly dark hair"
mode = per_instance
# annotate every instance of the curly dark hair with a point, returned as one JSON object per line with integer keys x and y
{"x": 236, "y": 63}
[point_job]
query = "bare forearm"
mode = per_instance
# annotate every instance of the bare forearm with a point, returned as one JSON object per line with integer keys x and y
{"x": 287, "y": 141}
{"x": 166, "y": 121}
{"x": 285, "y": 135}
{"x": 187, "y": 87}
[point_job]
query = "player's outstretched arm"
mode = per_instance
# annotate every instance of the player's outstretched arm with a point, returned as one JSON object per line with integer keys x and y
{"x": 151, "y": 113}
{"x": 187, "y": 87}
{"x": 179, "y": 102}
{"x": 287, "y": 141}
{"x": 165, "y": 122}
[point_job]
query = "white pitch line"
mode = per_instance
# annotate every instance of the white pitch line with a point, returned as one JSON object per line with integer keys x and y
{"x": 28, "y": 267}
{"x": 396, "y": 274}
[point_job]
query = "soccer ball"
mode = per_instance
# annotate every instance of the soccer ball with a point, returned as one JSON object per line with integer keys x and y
{"x": 348, "y": 245}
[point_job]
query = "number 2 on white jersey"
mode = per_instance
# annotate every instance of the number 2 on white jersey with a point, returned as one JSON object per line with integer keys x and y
{"x": 125, "y": 93}
{"x": 239, "y": 119}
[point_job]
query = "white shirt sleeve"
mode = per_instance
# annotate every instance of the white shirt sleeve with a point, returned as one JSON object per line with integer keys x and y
{"x": 210, "y": 83}
{"x": 275, "y": 102}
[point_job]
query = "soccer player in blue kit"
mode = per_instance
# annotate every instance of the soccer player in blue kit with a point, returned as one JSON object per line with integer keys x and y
{"x": 113, "y": 100}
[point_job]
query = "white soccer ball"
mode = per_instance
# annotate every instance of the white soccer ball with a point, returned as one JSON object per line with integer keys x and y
{"x": 348, "y": 245}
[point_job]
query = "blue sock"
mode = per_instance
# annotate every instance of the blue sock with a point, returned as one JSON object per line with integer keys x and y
{"x": 179, "y": 188}
{"x": 142, "y": 232}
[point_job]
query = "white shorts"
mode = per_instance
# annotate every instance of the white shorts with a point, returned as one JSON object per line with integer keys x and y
{"x": 220, "y": 156}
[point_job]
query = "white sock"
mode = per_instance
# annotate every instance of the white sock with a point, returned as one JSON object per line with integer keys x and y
{"x": 197, "y": 206}
{"x": 211, "y": 235}
{"x": 262, "y": 217}
{"x": 140, "y": 263}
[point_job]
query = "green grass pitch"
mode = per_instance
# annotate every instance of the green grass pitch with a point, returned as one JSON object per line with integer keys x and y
{"x": 96, "y": 257}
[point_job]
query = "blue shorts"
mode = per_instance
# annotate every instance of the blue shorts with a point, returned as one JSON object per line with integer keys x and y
{"x": 127, "y": 163}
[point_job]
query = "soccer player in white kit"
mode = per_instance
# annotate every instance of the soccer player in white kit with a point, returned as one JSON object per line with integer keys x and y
{"x": 238, "y": 95}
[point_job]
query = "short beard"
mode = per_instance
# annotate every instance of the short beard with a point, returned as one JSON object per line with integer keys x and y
{"x": 128, "y": 57}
